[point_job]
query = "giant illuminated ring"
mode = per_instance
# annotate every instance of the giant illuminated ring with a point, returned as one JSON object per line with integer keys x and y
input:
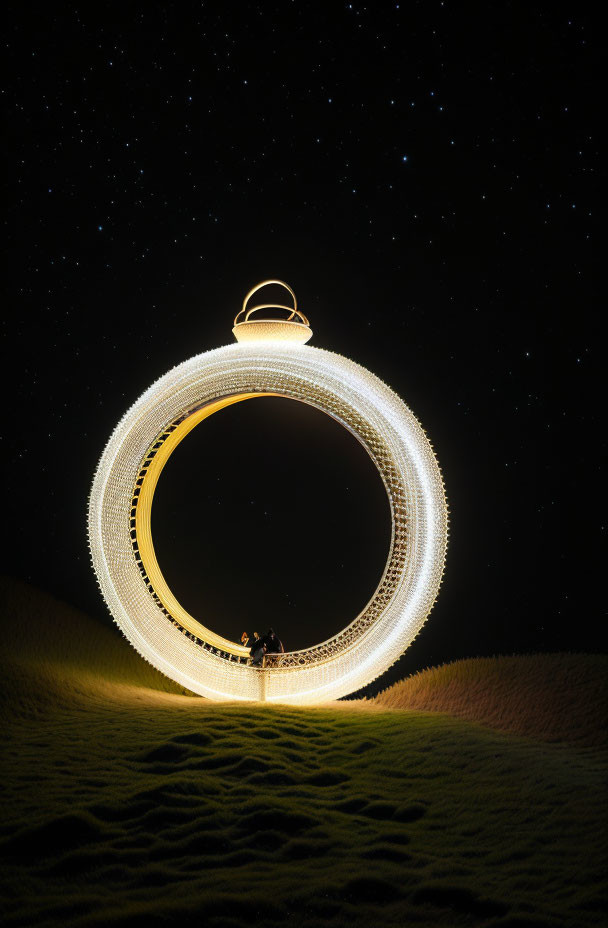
{"x": 120, "y": 540}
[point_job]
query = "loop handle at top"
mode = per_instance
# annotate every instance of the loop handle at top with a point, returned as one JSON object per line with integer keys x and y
{"x": 293, "y": 312}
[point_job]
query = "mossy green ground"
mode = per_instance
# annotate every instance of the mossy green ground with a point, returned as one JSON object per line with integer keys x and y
{"x": 128, "y": 803}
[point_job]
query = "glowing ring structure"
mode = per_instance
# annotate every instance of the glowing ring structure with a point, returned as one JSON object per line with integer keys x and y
{"x": 121, "y": 544}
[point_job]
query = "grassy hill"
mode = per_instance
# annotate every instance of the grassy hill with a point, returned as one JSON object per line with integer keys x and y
{"x": 471, "y": 794}
{"x": 554, "y": 697}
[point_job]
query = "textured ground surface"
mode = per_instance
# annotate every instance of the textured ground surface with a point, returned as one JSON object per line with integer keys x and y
{"x": 128, "y": 802}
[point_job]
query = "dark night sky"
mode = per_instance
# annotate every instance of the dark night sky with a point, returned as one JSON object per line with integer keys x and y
{"x": 424, "y": 176}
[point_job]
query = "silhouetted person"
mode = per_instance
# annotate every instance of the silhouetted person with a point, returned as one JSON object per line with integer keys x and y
{"x": 257, "y": 650}
{"x": 273, "y": 643}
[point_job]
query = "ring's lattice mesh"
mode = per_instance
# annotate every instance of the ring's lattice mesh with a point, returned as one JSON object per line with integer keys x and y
{"x": 405, "y": 459}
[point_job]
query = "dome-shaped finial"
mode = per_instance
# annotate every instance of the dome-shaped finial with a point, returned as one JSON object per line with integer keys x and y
{"x": 293, "y": 329}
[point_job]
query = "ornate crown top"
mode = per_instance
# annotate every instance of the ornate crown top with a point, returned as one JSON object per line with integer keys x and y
{"x": 293, "y": 329}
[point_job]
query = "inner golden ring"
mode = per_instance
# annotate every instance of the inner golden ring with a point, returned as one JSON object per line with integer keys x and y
{"x": 148, "y": 475}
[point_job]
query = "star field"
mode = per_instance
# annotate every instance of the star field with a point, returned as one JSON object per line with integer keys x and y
{"x": 425, "y": 179}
